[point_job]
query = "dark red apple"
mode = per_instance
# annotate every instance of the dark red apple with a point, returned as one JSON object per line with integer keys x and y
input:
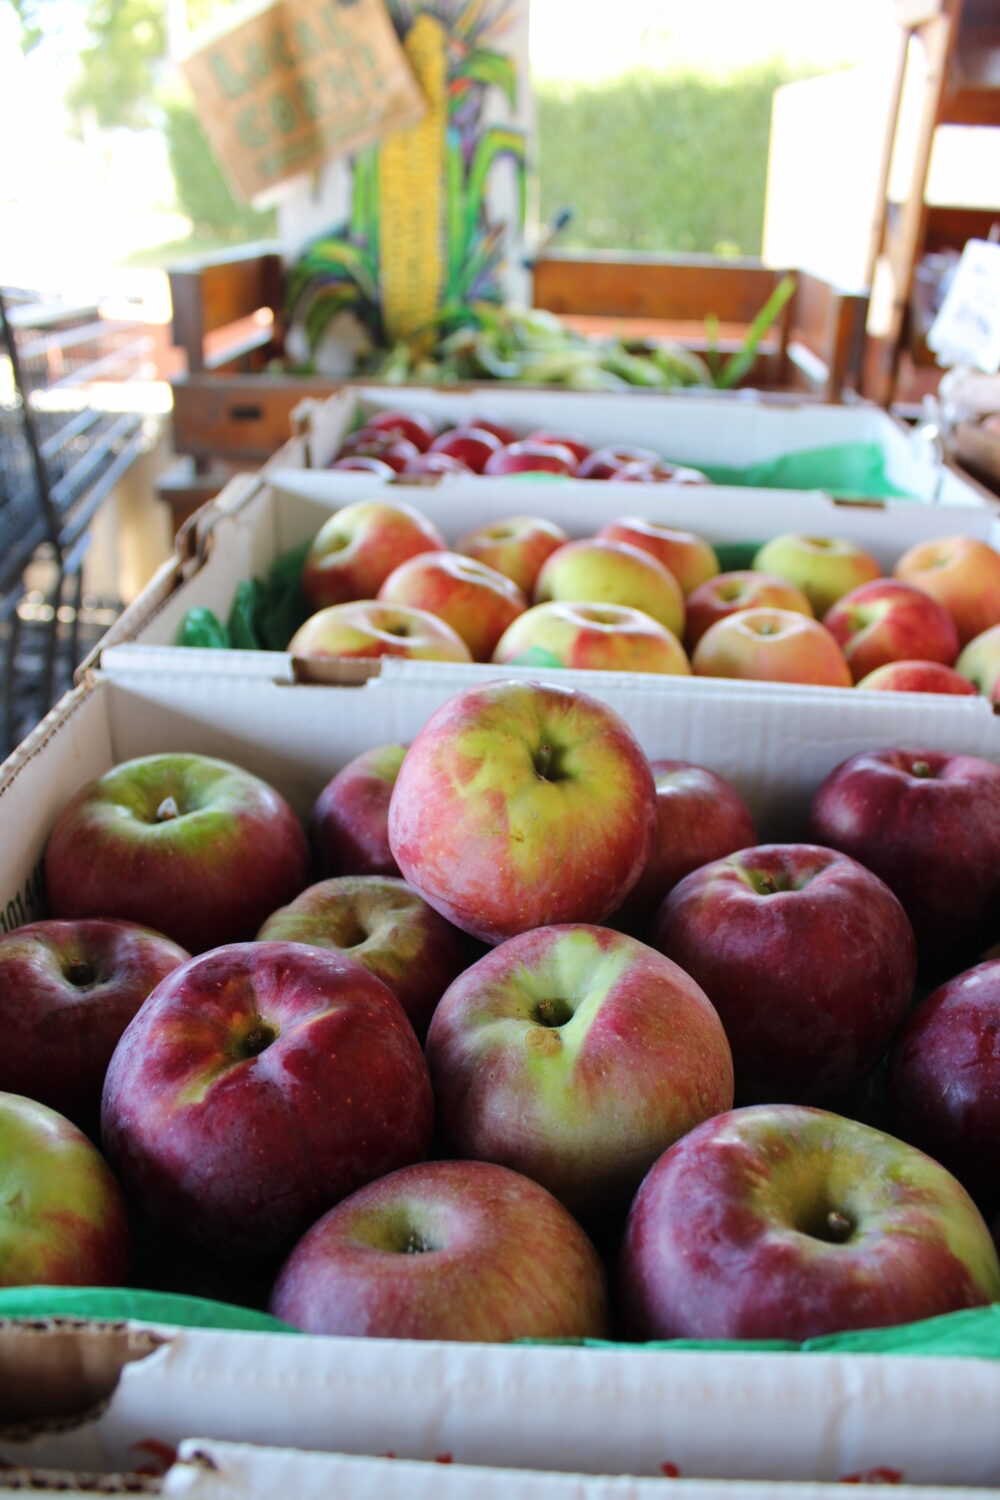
{"x": 68, "y": 989}
{"x": 436, "y": 463}
{"x": 348, "y": 824}
{"x": 530, "y": 455}
{"x": 457, "y": 1250}
{"x": 928, "y": 823}
{"x": 943, "y": 1079}
{"x": 784, "y": 1222}
{"x": 574, "y": 441}
{"x": 412, "y": 425}
{"x": 807, "y": 956}
{"x": 472, "y": 445}
{"x": 257, "y": 1086}
{"x": 603, "y": 462}
{"x": 192, "y": 846}
{"x": 700, "y": 816}
{"x": 365, "y": 463}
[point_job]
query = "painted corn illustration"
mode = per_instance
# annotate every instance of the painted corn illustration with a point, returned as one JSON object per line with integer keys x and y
{"x": 419, "y": 246}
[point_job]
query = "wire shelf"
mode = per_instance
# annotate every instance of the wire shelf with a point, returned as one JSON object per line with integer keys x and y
{"x": 69, "y": 430}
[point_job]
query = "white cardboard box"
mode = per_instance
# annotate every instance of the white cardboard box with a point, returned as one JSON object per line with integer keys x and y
{"x": 257, "y": 519}
{"x": 622, "y": 1410}
{"x": 728, "y": 429}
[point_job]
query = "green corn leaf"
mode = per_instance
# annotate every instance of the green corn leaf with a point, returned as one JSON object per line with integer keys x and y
{"x": 343, "y": 260}
{"x": 742, "y": 361}
{"x": 454, "y": 187}
{"x": 324, "y": 307}
{"x": 494, "y": 69}
{"x": 494, "y": 142}
{"x": 364, "y": 226}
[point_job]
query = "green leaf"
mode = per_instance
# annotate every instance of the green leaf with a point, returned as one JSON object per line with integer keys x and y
{"x": 742, "y": 361}
{"x": 494, "y": 69}
{"x": 494, "y": 142}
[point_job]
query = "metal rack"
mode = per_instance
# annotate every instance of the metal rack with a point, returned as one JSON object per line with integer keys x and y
{"x": 68, "y": 432}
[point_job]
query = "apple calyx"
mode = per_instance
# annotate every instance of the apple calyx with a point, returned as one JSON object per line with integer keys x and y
{"x": 167, "y": 810}
{"x": 920, "y": 768}
{"x": 839, "y": 1227}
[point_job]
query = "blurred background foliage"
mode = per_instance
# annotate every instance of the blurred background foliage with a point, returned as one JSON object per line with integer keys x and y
{"x": 672, "y": 161}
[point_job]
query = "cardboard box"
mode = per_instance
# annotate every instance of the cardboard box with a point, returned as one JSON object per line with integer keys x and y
{"x": 727, "y": 430}
{"x": 257, "y": 519}
{"x": 114, "y": 1398}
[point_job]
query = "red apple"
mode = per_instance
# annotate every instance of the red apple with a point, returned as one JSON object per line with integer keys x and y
{"x": 928, "y": 823}
{"x": 575, "y": 1054}
{"x": 502, "y": 431}
{"x": 530, "y": 454}
{"x": 368, "y": 628}
{"x": 603, "y": 462}
{"x": 807, "y": 956}
{"x": 62, "y": 1214}
{"x": 823, "y": 567}
{"x": 471, "y": 444}
{"x": 727, "y": 593}
{"x": 688, "y": 557}
{"x": 348, "y": 823}
{"x": 520, "y": 804}
{"x": 457, "y": 1250}
{"x": 194, "y": 847}
{"x": 475, "y": 600}
{"x": 917, "y": 677}
{"x": 257, "y": 1086}
{"x": 887, "y": 620}
{"x": 784, "y": 1222}
{"x": 963, "y": 574}
{"x": 364, "y": 463}
{"x": 643, "y": 471}
{"x": 771, "y": 645}
{"x": 943, "y": 1079}
{"x": 436, "y": 463}
{"x": 389, "y": 448}
{"x": 595, "y": 570}
{"x": 357, "y": 548}
{"x": 574, "y": 441}
{"x": 700, "y": 816}
{"x": 384, "y": 925}
{"x": 515, "y": 547}
{"x": 412, "y": 425}
{"x": 67, "y": 992}
{"x": 602, "y": 637}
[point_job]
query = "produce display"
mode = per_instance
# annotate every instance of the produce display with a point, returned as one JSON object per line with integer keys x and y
{"x": 535, "y": 1040}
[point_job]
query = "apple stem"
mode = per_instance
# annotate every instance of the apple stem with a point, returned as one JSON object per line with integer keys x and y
{"x": 919, "y": 768}
{"x": 167, "y": 810}
{"x": 839, "y": 1227}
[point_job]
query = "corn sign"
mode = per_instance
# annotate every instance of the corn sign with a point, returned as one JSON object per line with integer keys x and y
{"x": 419, "y": 246}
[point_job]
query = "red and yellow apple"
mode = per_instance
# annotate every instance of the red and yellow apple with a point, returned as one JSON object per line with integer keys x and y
{"x": 368, "y": 628}
{"x": 520, "y": 804}
{"x": 727, "y": 593}
{"x": 963, "y": 574}
{"x": 575, "y": 1054}
{"x": 823, "y": 567}
{"x": 357, "y": 548}
{"x": 918, "y": 677}
{"x": 690, "y": 558}
{"x": 348, "y": 822}
{"x": 516, "y": 547}
{"x": 888, "y": 620}
{"x": 596, "y": 570}
{"x": 601, "y": 637}
{"x": 771, "y": 645}
{"x": 475, "y": 600}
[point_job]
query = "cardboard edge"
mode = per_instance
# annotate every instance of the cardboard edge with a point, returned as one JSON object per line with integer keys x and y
{"x": 58, "y": 1372}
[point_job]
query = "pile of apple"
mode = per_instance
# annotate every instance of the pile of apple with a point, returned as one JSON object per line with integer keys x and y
{"x": 525, "y": 1034}
{"x": 642, "y": 596}
{"x": 409, "y": 443}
